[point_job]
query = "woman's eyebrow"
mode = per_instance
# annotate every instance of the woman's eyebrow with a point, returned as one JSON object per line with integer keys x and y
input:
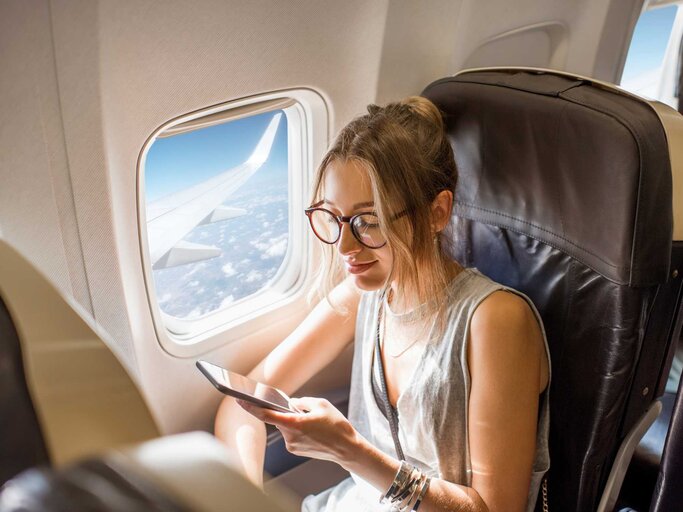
{"x": 355, "y": 206}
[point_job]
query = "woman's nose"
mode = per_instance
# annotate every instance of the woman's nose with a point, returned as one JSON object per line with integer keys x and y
{"x": 347, "y": 241}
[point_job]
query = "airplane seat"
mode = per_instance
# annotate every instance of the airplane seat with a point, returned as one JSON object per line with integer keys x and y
{"x": 22, "y": 444}
{"x": 181, "y": 473}
{"x": 76, "y": 433}
{"x": 638, "y": 490}
{"x": 668, "y": 494}
{"x": 565, "y": 193}
{"x": 64, "y": 394}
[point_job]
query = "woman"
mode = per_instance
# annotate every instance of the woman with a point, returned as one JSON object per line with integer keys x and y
{"x": 461, "y": 360}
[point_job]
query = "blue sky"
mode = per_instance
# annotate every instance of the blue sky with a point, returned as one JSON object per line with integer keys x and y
{"x": 178, "y": 162}
{"x": 649, "y": 41}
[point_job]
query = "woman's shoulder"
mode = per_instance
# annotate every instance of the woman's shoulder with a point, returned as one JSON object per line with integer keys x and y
{"x": 471, "y": 283}
{"x": 485, "y": 300}
{"x": 493, "y": 298}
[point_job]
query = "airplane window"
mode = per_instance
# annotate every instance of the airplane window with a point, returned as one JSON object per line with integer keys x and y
{"x": 239, "y": 243}
{"x": 652, "y": 63}
{"x": 218, "y": 202}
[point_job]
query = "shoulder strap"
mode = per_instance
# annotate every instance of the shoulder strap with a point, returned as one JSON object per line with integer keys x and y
{"x": 390, "y": 412}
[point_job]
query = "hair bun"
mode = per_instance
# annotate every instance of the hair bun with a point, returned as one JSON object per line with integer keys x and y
{"x": 424, "y": 108}
{"x": 373, "y": 109}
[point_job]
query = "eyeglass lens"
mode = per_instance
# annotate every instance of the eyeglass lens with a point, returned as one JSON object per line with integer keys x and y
{"x": 365, "y": 228}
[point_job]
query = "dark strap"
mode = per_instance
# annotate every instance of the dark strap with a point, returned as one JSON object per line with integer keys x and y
{"x": 377, "y": 363}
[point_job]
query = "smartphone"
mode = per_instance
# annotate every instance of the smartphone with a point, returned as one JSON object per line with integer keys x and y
{"x": 244, "y": 388}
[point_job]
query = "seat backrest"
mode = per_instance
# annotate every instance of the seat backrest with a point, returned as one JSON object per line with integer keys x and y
{"x": 84, "y": 399}
{"x": 565, "y": 193}
{"x": 21, "y": 441}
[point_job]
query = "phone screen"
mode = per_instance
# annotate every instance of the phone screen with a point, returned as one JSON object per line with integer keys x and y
{"x": 242, "y": 387}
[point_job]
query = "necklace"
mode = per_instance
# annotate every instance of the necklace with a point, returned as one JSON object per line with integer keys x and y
{"x": 383, "y": 319}
{"x": 407, "y": 316}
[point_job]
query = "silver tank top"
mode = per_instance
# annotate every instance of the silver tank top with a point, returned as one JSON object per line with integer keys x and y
{"x": 433, "y": 409}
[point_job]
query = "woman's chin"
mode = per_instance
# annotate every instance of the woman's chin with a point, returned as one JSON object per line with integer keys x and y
{"x": 366, "y": 283}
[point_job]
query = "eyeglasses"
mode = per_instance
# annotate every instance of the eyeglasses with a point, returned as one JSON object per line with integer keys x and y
{"x": 327, "y": 227}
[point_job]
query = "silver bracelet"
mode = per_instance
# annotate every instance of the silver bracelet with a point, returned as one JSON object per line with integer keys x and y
{"x": 402, "y": 477}
{"x": 407, "y": 490}
{"x": 424, "y": 484}
{"x": 423, "y": 491}
{"x": 411, "y": 492}
{"x": 402, "y": 497}
{"x": 414, "y": 491}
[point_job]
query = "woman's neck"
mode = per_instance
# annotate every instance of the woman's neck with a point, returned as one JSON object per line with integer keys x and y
{"x": 405, "y": 303}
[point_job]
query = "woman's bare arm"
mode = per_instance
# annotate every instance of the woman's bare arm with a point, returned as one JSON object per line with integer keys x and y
{"x": 315, "y": 343}
{"x": 506, "y": 357}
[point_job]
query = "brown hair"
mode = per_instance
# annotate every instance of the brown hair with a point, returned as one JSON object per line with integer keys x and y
{"x": 404, "y": 147}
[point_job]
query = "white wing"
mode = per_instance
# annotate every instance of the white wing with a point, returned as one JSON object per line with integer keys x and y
{"x": 171, "y": 218}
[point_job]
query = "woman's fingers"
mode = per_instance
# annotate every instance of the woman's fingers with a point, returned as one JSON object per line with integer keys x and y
{"x": 307, "y": 403}
{"x": 266, "y": 415}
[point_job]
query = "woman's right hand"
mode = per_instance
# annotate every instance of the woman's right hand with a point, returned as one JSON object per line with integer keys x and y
{"x": 314, "y": 344}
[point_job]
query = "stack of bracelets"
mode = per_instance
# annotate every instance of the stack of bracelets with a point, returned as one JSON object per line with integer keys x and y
{"x": 407, "y": 490}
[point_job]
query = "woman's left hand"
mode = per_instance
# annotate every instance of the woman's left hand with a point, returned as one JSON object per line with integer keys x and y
{"x": 320, "y": 432}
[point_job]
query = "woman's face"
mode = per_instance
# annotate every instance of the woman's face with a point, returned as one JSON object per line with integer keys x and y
{"x": 347, "y": 191}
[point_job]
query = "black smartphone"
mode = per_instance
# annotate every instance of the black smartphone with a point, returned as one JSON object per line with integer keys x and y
{"x": 244, "y": 388}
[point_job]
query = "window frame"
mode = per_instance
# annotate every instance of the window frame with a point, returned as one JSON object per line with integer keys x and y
{"x": 307, "y": 128}
{"x": 668, "y": 70}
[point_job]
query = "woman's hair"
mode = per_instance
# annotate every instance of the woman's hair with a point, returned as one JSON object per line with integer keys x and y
{"x": 409, "y": 160}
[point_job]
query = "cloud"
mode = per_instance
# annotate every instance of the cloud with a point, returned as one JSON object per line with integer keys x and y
{"x": 226, "y": 301}
{"x": 229, "y": 270}
{"x": 195, "y": 313}
{"x": 276, "y": 247}
{"x": 252, "y": 276}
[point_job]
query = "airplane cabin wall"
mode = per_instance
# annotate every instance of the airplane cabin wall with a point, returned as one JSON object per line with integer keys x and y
{"x": 85, "y": 83}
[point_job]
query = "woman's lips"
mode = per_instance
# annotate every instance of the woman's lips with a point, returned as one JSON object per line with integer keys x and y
{"x": 359, "y": 268}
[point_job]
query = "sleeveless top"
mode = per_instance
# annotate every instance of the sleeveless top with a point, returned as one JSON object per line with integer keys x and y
{"x": 433, "y": 409}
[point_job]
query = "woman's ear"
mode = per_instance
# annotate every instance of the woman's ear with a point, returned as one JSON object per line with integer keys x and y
{"x": 441, "y": 210}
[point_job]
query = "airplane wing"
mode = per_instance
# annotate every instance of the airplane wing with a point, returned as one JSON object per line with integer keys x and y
{"x": 172, "y": 217}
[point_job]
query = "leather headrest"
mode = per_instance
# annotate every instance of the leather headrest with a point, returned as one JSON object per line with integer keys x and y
{"x": 579, "y": 166}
